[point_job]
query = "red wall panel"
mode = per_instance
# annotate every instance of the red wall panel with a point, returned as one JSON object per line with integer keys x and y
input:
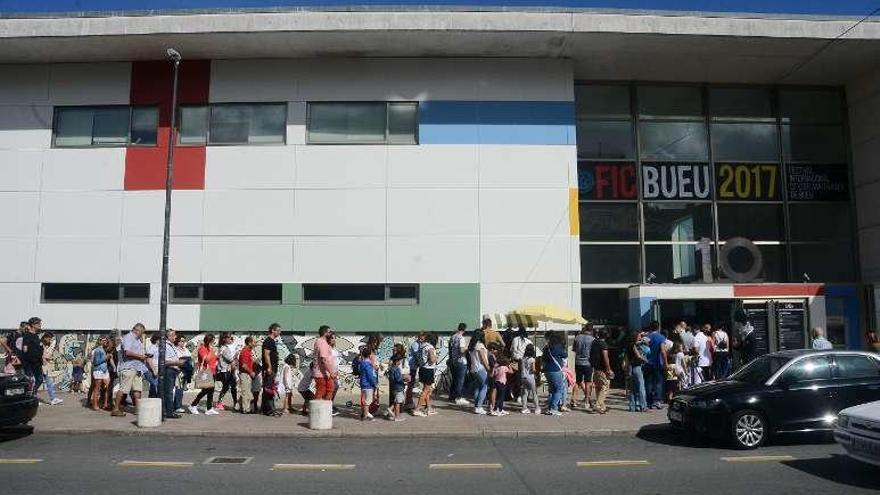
{"x": 151, "y": 84}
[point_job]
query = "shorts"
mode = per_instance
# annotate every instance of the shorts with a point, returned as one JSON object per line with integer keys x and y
{"x": 366, "y": 397}
{"x": 583, "y": 373}
{"x": 307, "y": 395}
{"x": 398, "y": 397}
{"x": 426, "y": 376}
{"x": 130, "y": 381}
{"x": 101, "y": 375}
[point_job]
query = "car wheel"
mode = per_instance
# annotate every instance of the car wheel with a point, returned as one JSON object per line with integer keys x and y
{"x": 749, "y": 429}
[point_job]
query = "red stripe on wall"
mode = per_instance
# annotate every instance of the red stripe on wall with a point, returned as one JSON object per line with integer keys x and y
{"x": 778, "y": 290}
{"x": 151, "y": 84}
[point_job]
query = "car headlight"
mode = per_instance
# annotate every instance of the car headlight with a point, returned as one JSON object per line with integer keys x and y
{"x": 842, "y": 420}
{"x": 705, "y": 404}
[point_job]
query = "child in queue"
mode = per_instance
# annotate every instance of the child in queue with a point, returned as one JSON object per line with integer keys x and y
{"x": 499, "y": 376}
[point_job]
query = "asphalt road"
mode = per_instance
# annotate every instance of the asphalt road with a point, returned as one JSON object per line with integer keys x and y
{"x": 649, "y": 464}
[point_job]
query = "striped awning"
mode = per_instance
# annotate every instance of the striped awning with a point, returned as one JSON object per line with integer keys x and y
{"x": 501, "y": 320}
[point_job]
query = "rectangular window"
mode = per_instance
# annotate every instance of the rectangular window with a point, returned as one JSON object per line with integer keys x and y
{"x": 745, "y": 142}
{"x": 193, "y": 128}
{"x": 673, "y": 263}
{"x": 363, "y": 123}
{"x": 666, "y": 102}
{"x": 225, "y": 293}
{"x": 242, "y": 123}
{"x": 609, "y": 263}
{"x": 678, "y": 222}
{"x": 740, "y": 220}
{"x": 684, "y": 141}
{"x": 609, "y": 222}
{"x": 96, "y": 293}
{"x": 608, "y": 140}
{"x": 361, "y": 293}
{"x": 105, "y": 126}
{"x": 741, "y": 103}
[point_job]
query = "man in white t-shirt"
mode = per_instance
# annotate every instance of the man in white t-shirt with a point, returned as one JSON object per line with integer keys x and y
{"x": 703, "y": 354}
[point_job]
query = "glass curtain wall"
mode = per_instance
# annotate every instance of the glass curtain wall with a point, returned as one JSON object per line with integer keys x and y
{"x": 668, "y": 174}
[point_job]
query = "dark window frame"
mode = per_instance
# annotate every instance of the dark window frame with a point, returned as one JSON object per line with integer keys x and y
{"x": 203, "y": 297}
{"x": 118, "y": 288}
{"x": 387, "y": 299}
{"x": 60, "y": 108}
{"x": 209, "y": 113}
{"x": 386, "y": 142}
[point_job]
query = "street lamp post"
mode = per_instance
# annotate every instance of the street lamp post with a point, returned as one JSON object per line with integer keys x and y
{"x": 174, "y": 57}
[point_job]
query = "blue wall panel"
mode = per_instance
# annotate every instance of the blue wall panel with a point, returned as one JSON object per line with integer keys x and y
{"x": 496, "y": 122}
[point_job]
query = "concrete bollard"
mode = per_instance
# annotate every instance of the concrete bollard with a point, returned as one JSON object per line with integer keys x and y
{"x": 149, "y": 413}
{"x": 320, "y": 414}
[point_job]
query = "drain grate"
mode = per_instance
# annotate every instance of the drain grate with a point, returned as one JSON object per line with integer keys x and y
{"x": 228, "y": 460}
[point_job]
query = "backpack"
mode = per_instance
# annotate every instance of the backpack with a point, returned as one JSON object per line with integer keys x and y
{"x": 420, "y": 356}
{"x": 356, "y": 366}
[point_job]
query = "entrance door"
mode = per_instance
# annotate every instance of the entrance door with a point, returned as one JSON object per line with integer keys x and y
{"x": 694, "y": 312}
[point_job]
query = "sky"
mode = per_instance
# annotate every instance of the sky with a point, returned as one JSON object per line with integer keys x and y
{"x": 801, "y": 7}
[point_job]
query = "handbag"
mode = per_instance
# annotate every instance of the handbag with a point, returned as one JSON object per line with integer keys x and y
{"x": 203, "y": 379}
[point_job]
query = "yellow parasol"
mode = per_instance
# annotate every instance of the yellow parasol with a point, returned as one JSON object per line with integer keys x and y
{"x": 549, "y": 313}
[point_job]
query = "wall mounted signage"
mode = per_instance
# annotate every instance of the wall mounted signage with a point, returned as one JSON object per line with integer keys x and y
{"x": 748, "y": 182}
{"x": 818, "y": 183}
{"x": 608, "y": 181}
{"x": 673, "y": 181}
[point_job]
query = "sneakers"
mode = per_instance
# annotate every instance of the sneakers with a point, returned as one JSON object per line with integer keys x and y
{"x": 117, "y": 413}
{"x": 461, "y": 401}
{"x": 180, "y": 410}
{"x": 368, "y": 417}
{"x": 496, "y": 413}
{"x": 554, "y": 413}
{"x": 212, "y": 412}
{"x": 538, "y": 411}
{"x": 564, "y": 409}
{"x": 432, "y": 412}
{"x": 398, "y": 420}
{"x": 193, "y": 409}
{"x": 419, "y": 413}
{"x": 480, "y": 411}
{"x": 526, "y": 411}
{"x": 56, "y": 401}
{"x": 503, "y": 413}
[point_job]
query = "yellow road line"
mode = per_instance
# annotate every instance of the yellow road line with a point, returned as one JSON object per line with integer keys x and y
{"x": 313, "y": 467}
{"x": 612, "y": 463}
{"x": 20, "y": 461}
{"x": 155, "y": 464}
{"x": 490, "y": 465}
{"x": 759, "y": 458}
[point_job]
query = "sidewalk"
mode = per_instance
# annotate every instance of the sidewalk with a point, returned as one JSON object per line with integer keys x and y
{"x": 73, "y": 418}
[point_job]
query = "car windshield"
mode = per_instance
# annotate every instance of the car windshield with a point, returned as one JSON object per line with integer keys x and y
{"x": 759, "y": 370}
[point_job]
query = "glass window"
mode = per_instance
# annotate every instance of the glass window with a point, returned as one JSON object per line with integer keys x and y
{"x": 602, "y": 102}
{"x": 738, "y": 220}
{"x": 73, "y": 126}
{"x": 242, "y": 292}
{"x": 809, "y": 369}
{"x": 343, "y": 292}
{"x": 740, "y": 103}
{"x": 748, "y": 181}
{"x": 608, "y": 264}
{"x": 605, "y": 306}
{"x": 144, "y": 125}
{"x": 347, "y": 123}
{"x": 670, "y": 101}
{"x": 230, "y": 124}
{"x": 193, "y": 127}
{"x": 111, "y": 126}
{"x": 774, "y": 268}
{"x": 609, "y": 221}
{"x": 403, "y": 291}
{"x": 820, "y": 221}
{"x": 813, "y": 144}
{"x": 854, "y": 366}
{"x": 673, "y": 141}
{"x": 268, "y": 124}
{"x": 403, "y": 122}
{"x": 745, "y": 142}
{"x": 91, "y": 293}
{"x": 677, "y": 222}
{"x": 811, "y": 106}
{"x": 673, "y": 263}
{"x": 596, "y": 139}
{"x": 823, "y": 262}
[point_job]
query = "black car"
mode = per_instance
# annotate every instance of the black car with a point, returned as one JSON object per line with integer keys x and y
{"x": 782, "y": 392}
{"x": 18, "y": 405}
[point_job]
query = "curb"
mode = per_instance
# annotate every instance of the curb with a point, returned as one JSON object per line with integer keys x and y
{"x": 309, "y": 434}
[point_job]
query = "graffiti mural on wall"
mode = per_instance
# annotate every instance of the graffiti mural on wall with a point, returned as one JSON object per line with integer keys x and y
{"x": 73, "y": 346}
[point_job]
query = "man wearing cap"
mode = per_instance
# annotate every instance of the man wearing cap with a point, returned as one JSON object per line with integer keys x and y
{"x": 131, "y": 369}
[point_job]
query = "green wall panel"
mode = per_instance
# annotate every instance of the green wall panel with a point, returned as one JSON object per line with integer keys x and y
{"x": 441, "y": 307}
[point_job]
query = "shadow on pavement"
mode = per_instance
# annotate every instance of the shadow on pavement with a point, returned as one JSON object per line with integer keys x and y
{"x": 15, "y": 433}
{"x": 665, "y": 434}
{"x": 839, "y": 469}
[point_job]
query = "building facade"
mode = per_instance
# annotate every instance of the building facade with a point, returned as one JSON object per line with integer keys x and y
{"x": 400, "y": 169}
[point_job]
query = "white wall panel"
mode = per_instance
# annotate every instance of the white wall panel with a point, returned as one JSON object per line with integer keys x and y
{"x": 184, "y": 316}
{"x": 433, "y": 166}
{"x": 143, "y": 213}
{"x": 141, "y": 260}
{"x": 81, "y": 214}
{"x": 18, "y": 302}
{"x": 90, "y": 84}
{"x": 17, "y": 259}
{"x": 248, "y": 259}
{"x": 433, "y": 259}
{"x": 20, "y": 170}
{"x": 25, "y": 127}
{"x": 77, "y": 259}
{"x": 148, "y": 314}
{"x": 24, "y": 84}
{"x": 337, "y": 167}
{"x": 345, "y": 79}
{"x": 95, "y": 169}
{"x": 186, "y": 259}
{"x": 249, "y": 212}
{"x": 540, "y": 212}
{"x": 339, "y": 259}
{"x": 500, "y": 298}
{"x": 254, "y": 80}
{"x": 525, "y": 259}
{"x": 78, "y": 316}
{"x": 526, "y": 80}
{"x": 249, "y": 167}
{"x": 526, "y": 166}
{"x": 432, "y": 211}
{"x": 20, "y": 213}
{"x": 346, "y": 212}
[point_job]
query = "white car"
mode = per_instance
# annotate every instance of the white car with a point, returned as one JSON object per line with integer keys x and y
{"x": 858, "y": 431}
